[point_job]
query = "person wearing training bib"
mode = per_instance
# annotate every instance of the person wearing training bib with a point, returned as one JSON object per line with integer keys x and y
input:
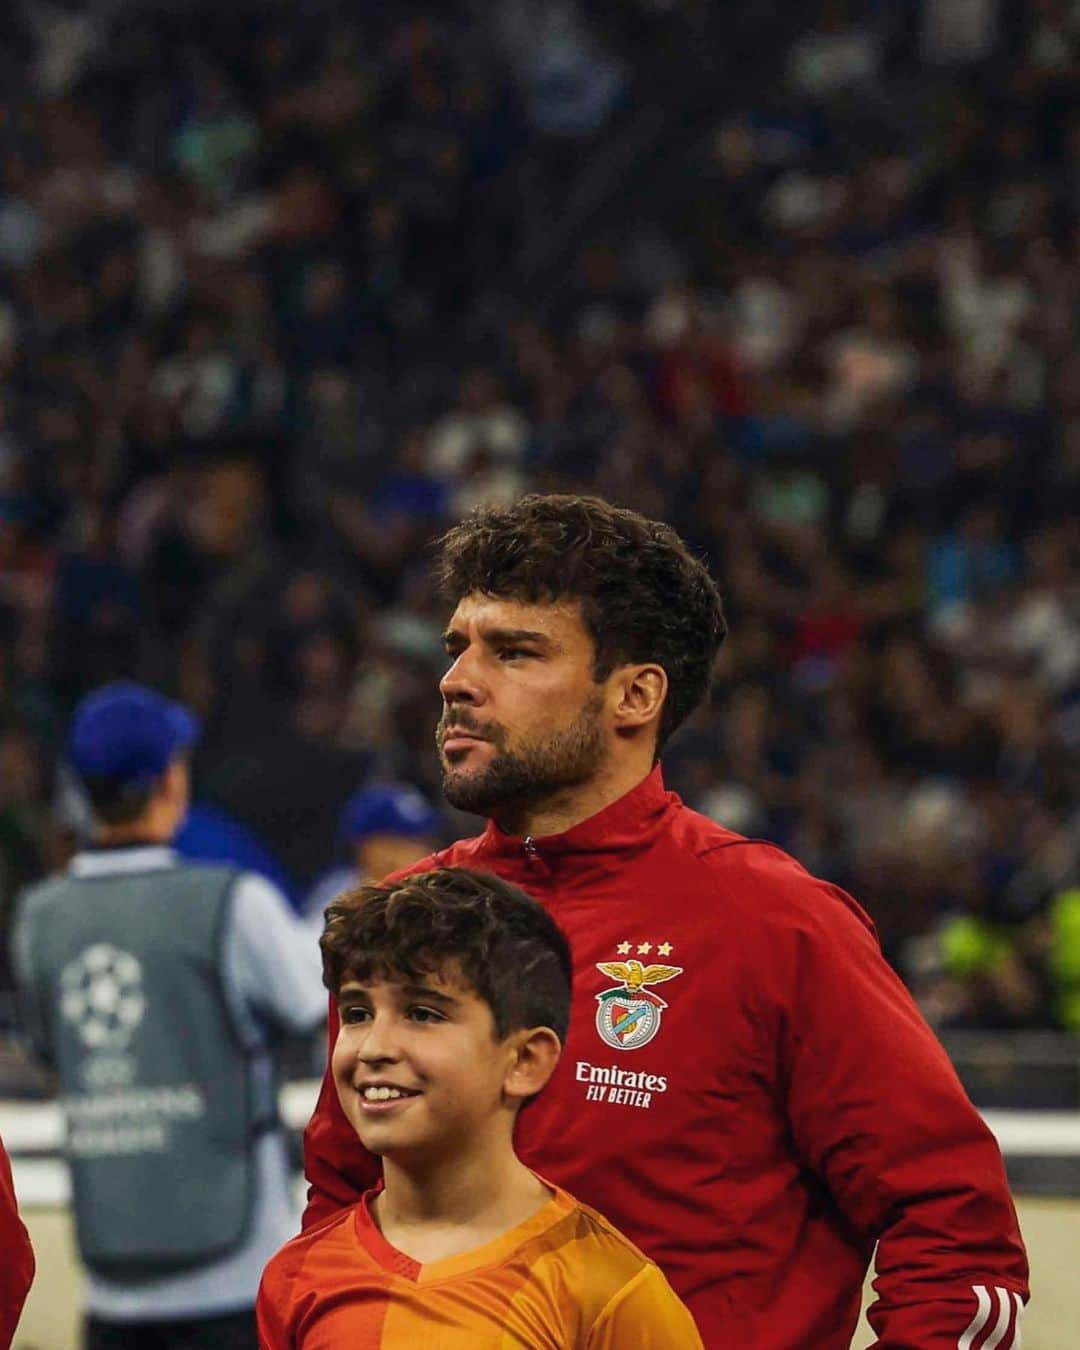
{"x": 153, "y": 987}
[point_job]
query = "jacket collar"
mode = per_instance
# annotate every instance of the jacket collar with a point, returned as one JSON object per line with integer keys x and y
{"x": 625, "y": 826}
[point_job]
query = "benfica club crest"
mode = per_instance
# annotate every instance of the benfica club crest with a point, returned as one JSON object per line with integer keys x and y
{"x": 628, "y": 1016}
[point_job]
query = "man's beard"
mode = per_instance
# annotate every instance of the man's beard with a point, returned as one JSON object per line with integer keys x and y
{"x": 531, "y": 774}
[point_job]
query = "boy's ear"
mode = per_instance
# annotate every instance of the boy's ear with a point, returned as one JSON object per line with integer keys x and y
{"x": 536, "y": 1051}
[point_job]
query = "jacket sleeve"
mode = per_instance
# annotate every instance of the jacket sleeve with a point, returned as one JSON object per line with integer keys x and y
{"x": 647, "y": 1314}
{"x": 877, "y": 1110}
{"x": 337, "y": 1166}
{"x": 17, "y": 1262}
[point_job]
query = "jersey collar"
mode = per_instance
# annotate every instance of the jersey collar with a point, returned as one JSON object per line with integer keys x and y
{"x": 624, "y": 826}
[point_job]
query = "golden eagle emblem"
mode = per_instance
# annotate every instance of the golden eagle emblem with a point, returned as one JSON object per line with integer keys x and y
{"x": 635, "y": 976}
{"x": 628, "y": 1016}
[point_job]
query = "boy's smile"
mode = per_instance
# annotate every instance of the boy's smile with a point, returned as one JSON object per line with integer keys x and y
{"x": 381, "y": 1097}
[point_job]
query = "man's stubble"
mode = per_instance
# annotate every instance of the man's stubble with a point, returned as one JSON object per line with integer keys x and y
{"x": 531, "y": 773}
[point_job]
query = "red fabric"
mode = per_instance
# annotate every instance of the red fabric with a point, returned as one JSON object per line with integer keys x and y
{"x": 702, "y": 371}
{"x": 16, "y": 1256}
{"x": 788, "y": 1107}
{"x": 827, "y": 634}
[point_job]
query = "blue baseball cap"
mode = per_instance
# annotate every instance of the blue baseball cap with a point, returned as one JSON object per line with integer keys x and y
{"x": 128, "y": 732}
{"x": 388, "y": 808}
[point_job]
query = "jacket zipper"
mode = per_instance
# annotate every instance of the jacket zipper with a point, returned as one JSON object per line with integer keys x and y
{"x": 529, "y": 845}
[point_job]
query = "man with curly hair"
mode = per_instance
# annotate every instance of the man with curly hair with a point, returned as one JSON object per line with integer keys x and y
{"x": 747, "y": 1089}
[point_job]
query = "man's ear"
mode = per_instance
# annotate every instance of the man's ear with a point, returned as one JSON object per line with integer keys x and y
{"x": 172, "y": 791}
{"x": 639, "y": 693}
{"x": 536, "y": 1051}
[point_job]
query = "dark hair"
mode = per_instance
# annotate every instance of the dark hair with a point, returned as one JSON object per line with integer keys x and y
{"x": 500, "y": 940}
{"x": 643, "y": 595}
{"x": 115, "y": 802}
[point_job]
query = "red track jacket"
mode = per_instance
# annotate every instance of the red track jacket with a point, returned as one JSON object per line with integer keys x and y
{"x": 16, "y": 1256}
{"x": 747, "y": 1091}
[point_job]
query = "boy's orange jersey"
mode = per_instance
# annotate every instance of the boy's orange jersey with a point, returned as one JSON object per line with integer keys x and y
{"x": 563, "y": 1280}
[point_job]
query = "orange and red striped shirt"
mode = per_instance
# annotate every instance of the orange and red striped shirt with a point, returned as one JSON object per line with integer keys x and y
{"x": 565, "y": 1279}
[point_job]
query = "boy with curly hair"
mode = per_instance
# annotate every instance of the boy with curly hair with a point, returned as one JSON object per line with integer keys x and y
{"x": 453, "y": 993}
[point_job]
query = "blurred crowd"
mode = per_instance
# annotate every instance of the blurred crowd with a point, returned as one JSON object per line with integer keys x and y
{"x": 286, "y": 289}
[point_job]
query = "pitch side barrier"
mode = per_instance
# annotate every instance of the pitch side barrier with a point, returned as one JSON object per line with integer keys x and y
{"x": 1041, "y": 1148}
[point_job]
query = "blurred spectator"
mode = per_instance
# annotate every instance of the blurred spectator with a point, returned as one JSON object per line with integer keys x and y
{"x": 213, "y": 836}
{"x": 838, "y": 52}
{"x": 1060, "y": 936}
{"x": 572, "y": 87}
{"x": 970, "y": 561}
{"x": 152, "y": 986}
{"x": 25, "y": 832}
{"x": 481, "y": 422}
{"x": 387, "y": 826}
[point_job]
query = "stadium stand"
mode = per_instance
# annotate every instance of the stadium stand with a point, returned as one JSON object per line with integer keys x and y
{"x": 274, "y": 309}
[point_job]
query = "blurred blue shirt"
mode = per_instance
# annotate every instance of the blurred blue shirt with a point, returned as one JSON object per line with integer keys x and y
{"x": 212, "y": 835}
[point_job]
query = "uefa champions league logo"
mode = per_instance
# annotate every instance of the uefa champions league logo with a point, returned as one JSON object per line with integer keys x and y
{"x": 101, "y": 995}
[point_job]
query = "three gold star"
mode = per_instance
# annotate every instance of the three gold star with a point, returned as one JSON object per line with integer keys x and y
{"x": 644, "y": 948}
